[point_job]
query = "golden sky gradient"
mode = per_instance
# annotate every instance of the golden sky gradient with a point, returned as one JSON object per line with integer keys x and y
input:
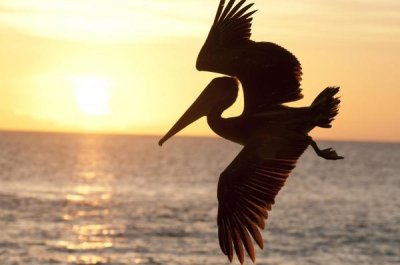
{"x": 128, "y": 66}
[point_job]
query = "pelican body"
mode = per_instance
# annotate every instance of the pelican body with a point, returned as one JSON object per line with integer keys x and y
{"x": 273, "y": 135}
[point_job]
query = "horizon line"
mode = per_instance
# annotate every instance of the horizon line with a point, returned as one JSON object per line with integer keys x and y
{"x": 94, "y": 133}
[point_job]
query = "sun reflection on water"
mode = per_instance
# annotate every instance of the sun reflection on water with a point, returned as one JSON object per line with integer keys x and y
{"x": 86, "y": 259}
{"x": 88, "y": 228}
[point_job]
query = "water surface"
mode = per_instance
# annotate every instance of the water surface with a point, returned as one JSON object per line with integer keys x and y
{"x": 87, "y": 199}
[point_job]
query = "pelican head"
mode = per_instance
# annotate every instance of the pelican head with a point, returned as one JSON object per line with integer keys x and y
{"x": 219, "y": 95}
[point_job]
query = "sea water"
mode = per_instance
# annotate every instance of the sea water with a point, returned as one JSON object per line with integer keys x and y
{"x": 96, "y": 199}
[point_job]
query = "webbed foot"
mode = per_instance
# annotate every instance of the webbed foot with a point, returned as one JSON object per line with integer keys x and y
{"x": 329, "y": 153}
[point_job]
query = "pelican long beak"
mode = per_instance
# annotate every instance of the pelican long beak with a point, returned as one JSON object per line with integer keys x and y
{"x": 201, "y": 107}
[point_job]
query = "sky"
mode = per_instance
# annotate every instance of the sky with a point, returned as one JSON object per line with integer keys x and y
{"x": 128, "y": 66}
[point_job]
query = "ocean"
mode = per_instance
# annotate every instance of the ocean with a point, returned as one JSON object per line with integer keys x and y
{"x": 96, "y": 199}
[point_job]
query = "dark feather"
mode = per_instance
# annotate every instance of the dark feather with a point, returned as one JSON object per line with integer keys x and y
{"x": 248, "y": 187}
{"x": 269, "y": 74}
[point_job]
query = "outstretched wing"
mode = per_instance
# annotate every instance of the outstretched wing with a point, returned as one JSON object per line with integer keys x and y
{"x": 269, "y": 73}
{"x": 247, "y": 190}
{"x": 232, "y": 24}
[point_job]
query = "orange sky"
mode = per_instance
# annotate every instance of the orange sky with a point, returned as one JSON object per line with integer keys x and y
{"x": 126, "y": 66}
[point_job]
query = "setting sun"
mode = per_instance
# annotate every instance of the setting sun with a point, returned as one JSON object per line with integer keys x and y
{"x": 91, "y": 93}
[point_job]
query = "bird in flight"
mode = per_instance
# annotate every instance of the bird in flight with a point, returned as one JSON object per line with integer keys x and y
{"x": 273, "y": 135}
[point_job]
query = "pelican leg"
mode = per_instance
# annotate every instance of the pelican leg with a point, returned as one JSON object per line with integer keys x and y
{"x": 328, "y": 153}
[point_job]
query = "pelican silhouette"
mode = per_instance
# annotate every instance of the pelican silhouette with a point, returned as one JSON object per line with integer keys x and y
{"x": 273, "y": 135}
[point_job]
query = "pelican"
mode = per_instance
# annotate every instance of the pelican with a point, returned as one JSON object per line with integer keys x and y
{"x": 273, "y": 135}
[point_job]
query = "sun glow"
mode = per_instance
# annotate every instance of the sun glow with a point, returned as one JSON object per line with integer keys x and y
{"x": 92, "y": 95}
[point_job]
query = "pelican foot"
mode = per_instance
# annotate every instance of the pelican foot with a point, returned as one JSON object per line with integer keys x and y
{"x": 329, "y": 153}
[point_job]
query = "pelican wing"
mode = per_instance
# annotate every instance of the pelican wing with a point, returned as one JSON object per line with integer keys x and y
{"x": 232, "y": 24}
{"x": 247, "y": 190}
{"x": 269, "y": 73}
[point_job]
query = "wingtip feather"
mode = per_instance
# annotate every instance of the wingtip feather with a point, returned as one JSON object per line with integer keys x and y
{"x": 219, "y": 10}
{"x": 245, "y": 237}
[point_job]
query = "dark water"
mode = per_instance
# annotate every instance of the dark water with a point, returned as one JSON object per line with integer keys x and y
{"x": 79, "y": 199}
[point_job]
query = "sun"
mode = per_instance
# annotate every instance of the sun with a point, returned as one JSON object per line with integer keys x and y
{"x": 92, "y": 95}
